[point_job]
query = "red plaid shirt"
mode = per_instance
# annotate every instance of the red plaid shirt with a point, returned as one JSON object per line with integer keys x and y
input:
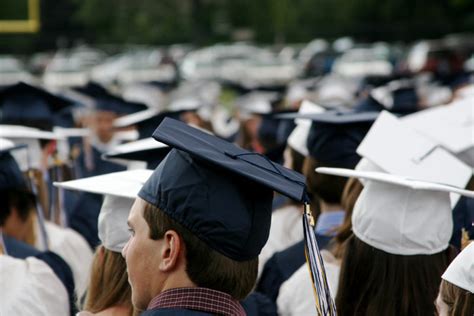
{"x": 200, "y": 299}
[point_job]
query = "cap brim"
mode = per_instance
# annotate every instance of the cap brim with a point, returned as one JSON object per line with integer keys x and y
{"x": 147, "y": 145}
{"x": 71, "y": 132}
{"x": 395, "y": 179}
{"x": 335, "y": 117}
{"x": 123, "y": 184}
{"x": 17, "y": 131}
{"x": 135, "y": 118}
{"x": 7, "y": 145}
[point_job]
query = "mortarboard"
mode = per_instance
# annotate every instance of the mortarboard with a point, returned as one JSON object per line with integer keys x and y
{"x": 451, "y": 126}
{"x": 461, "y": 270}
{"x": 23, "y": 104}
{"x": 398, "y": 96}
{"x": 145, "y": 121}
{"x": 298, "y": 137}
{"x": 335, "y": 135}
{"x": 29, "y": 136}
{"x": 106, "y": 101}
{"x": 11, "y": 176}
{"x": 401, "y": 215}
{"x": 120, "y": 190}
{"x": 223, "y": 195}
{"x": 398, "y": 149}
{"x": 147, "y": 149}
{"x": 257, "y": 102}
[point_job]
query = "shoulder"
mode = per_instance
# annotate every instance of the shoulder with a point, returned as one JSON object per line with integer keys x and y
{"x": 30, "y": 286}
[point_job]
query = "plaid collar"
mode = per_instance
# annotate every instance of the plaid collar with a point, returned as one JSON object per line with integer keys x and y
{"x": 200, "y": 299}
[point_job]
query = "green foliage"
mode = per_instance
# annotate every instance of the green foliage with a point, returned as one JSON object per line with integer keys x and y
{"x": 203, "y": 22}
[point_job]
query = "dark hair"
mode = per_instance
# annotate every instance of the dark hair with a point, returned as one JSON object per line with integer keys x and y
{"x": 374, "y": 282}
{"x": 205, "y": 266}
{"x": 22, "y": 200}
{"x": 460, "y": 302}
{"x": 297, "y": 160}
{"x": 327, "y": 187}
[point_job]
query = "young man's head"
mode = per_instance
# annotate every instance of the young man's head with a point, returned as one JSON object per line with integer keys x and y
{"x": 195, "y": 224}
{"x": 162, "y": 254}
{"x": 102, "y": 122}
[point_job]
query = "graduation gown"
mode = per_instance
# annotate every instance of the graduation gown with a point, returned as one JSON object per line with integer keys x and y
{"x": 463, "y": 217}
{"x": 30, "y": 287}
{"x": 74, "y": 249}
{"x": 296, "y": 295}
{"x": 61, "y": 269}
{"x": 286, "y": 229}
{"x": 282, "y": 265}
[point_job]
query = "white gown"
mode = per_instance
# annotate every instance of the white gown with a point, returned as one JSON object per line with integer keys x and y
{"x": 296, "y": 294}
{"x": 286, "y": 230}
{"x": 74, "y": 249}
{"x": 30, "y": 287}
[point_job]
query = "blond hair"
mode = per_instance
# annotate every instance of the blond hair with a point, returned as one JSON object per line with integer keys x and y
{"x": 108, "y": 285}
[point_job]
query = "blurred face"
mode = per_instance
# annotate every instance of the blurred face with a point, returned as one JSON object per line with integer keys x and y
{"x": 142, "y": 257}
{"x": 102, "y": 123}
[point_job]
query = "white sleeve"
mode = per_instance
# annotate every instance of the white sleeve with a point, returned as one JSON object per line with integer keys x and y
{"x": 296, "y": 295}
{"x": 30, "y": 287}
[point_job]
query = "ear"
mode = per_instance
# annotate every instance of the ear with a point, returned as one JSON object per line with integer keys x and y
{"x": 171, "y": 251}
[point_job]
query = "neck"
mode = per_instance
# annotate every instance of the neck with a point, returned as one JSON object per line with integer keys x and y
{"x": 328, "y": 207}
{"x": 174, "y": 282}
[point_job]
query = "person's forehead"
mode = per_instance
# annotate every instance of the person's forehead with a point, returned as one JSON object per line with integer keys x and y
{"x": 137, "y": 209}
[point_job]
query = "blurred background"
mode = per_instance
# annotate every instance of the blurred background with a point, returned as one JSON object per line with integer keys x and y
{"x": 245, "y": 43}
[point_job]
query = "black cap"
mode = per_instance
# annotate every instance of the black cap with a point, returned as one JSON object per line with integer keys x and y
{"x": 105, "y": 101}
{"x": 334, "y": 136}
{"x": 24, "y": 104}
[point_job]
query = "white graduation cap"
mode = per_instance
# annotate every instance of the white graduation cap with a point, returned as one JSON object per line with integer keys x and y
{"x": 134, "y": 118}
{"x": 29, "y": 136}
{"x": 384, "y": 94}
{"x": 126, "y": 136}
{"x": 461, "y": 271}
{"x": 257, "y": 102}
{"x": 136, "y": 146}
{"x": 6, "y": 144}
{"x": 398, "y": 149}
{"x": 184, "y": 104}
{"x": 451, "y": 126}
{"x": 400, "y": 215}
{"x": 119, "y": 190}
{"x": 299, "y": 135}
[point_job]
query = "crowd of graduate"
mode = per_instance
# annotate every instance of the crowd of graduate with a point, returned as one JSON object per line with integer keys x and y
{"x": 348, "y": 195}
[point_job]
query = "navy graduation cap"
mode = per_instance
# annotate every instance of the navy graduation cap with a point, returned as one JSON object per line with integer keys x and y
{"x": 106, "y": 101}
{"x": 223, "y": 195}
{"x": 11, "y": 176}
{"x": 24, "y": 104}
{"x": 335, "y": 136}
